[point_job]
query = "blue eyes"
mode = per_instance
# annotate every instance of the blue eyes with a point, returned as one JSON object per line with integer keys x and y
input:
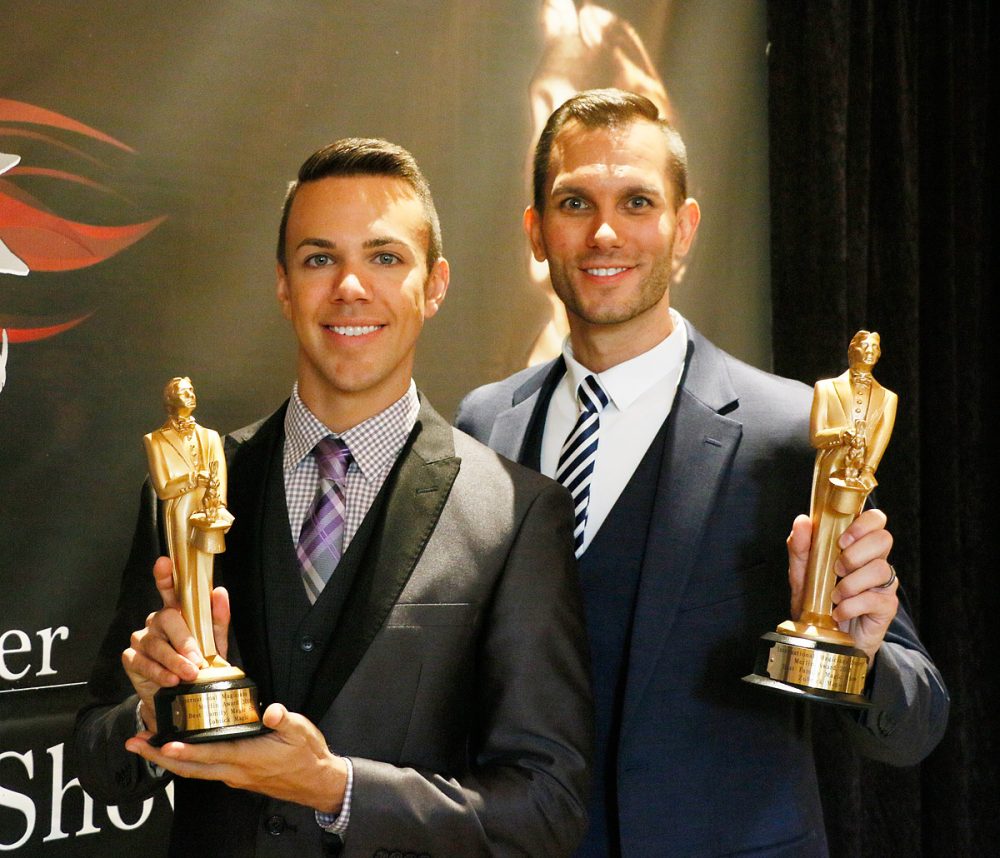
{"x": 321, "y": 260}
{"x": 576, "y": 204}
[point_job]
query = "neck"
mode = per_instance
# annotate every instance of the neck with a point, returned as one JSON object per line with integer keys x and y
{"x": 345, "y": 410}
{"x": 600, "y": 347}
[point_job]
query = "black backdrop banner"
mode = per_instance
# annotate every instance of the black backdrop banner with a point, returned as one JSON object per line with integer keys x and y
{"x": 144, "y": 151}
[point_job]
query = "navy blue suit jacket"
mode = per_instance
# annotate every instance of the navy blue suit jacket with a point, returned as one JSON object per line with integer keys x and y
{"x": 708, "y": 765}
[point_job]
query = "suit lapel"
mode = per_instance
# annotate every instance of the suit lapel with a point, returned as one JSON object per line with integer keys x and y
{"x": 699, "y": 448}
{"x": 514, "y": 428}
{"x": 250, "y": 463}
{"x": 417, "y": 490}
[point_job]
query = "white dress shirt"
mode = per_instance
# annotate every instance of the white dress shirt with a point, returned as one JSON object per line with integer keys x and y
{"x": 642, "y": 393}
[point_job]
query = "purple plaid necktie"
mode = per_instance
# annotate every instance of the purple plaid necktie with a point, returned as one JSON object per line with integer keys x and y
{"x": 579, "y": 453}
{"x": 322, "y": 538}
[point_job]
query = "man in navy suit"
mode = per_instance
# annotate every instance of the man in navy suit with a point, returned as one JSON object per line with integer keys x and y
{"x": 701, "y": 463}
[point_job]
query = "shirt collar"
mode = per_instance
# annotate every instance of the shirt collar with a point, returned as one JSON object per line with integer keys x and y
{"x": 374, "y": 443}
{"x": 626, "y": 382}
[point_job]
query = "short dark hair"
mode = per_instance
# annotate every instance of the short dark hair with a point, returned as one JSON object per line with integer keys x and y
{"x": 608, "y": 108}
{"x": 364, "y": 156}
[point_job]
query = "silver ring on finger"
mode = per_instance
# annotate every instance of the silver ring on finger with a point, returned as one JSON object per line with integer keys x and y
{"x": 891, "y": 581}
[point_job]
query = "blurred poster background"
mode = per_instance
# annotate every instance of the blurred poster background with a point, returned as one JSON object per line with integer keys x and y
{"x": 144, "y": 152}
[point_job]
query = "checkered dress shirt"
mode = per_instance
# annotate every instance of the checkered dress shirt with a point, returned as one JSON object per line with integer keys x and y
{"x": 375, "y": 445}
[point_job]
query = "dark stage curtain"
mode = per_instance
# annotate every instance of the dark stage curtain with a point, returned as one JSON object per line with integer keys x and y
{"x": 880, "y": 194}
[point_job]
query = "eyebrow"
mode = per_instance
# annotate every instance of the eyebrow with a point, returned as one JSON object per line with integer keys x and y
{"x": 382, "y": 241}
{"x": 316, "y": 242}
{"x": 326, "y": 244}
{"x": 631, "y": 190}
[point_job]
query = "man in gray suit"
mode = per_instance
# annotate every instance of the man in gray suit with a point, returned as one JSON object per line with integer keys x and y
{"x": 432, "y": 698}
{"x": 686, "y": 468}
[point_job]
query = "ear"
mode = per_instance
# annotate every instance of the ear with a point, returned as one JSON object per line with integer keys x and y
{"x": 436, "y": 287}
{"x": 685, "y": 226}
{"x": 282, "y": 291}
{"x": 532, "y": 222}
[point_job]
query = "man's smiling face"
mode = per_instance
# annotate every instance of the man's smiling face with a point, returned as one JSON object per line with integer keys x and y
{"x": 611, "y": 228}
{"x": 356, "y": 289}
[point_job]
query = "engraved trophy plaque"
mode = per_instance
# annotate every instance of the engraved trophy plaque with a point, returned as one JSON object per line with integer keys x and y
{"x": 850, "y": 424}
{"x": 187, "y": 468}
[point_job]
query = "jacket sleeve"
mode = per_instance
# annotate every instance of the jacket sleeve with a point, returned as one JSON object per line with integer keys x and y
{"x": 910, "y": 702}
{"x": 106, "y": 770}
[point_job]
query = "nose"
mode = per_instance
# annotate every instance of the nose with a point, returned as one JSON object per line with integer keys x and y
{"x": 604, "y": 234}
{"x": 350, "y": 288}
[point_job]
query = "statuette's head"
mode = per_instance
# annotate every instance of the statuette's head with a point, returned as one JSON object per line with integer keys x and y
{"x": 179, "y": 398}
{"x": 864, "y": 351}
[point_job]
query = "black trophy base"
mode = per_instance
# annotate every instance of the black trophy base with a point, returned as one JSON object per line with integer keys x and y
{"x": 208, "y": 712}
{"x": 811, "y": 670}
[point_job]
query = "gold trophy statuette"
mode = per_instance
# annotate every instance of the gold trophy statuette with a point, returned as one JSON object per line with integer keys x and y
{"x": 187, "y": 468}
{"x": 850, "y": 424}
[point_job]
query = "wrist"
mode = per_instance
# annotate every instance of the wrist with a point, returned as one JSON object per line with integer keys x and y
{"x": 337, "y": 823}
{"x": 334, "y": 786}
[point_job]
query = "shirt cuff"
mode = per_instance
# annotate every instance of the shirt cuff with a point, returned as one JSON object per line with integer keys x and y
{"x": 140, "y": 725}
{"x": 336, "y": 823}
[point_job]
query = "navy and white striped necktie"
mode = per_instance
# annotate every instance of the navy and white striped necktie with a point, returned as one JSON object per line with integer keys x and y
{"x": 579, "y": 453}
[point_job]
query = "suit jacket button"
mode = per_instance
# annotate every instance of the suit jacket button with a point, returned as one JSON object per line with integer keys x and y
{"x": 275, "y": 825}
{"x": 307, "y": 644}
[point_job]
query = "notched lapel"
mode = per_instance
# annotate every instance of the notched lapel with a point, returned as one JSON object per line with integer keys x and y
{"x": 512, "y": 427}
{"x": 250, "y": 464}
{"x": 418, "y": 490}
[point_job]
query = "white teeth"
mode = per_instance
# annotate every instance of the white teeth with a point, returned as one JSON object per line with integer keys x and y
{"x": 605, "y": 272}
{"x": 354, "y": 330}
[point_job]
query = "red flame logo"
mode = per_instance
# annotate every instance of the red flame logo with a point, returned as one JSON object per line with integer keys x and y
{"x": 35, "y": 238}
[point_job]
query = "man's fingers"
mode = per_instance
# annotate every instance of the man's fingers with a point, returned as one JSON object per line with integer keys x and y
{"x": 798, "y": 555}
{"x": 800, "y": 539}
{"x": 188, "y": 761}
{"x": 275, "y": 717}
{"x": 876, "y": 608}
{"x": 868, "y": 522}
{"x": 145, "y": 668}
{"x": 156, "y": 659}
{"x": 220, "y": 620}
{"x": 871, "y": 549}
{"x": 168, "y": 626}
{"x": 871, "y": 576}
{"x": 163, "y": 574}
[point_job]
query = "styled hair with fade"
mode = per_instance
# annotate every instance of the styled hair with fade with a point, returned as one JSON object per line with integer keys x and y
{"x": 365, "y": 156}
{"x": 608, "y": 108}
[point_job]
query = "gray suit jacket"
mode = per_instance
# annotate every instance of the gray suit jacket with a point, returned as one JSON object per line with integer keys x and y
{"x": 706, "y": 764}
{"x": 455, "y": 677}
